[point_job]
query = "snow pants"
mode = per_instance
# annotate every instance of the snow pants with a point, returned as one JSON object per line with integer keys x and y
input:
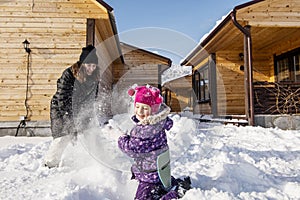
{"x": 56, "y": 149}
{"x": 153, "y": 191}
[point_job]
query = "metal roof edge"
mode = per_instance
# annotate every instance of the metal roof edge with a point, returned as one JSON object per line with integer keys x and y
{"x": 104, "y": 4}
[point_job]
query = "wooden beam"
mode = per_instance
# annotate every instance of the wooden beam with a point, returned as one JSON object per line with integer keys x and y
{"x": 286, "y": 24}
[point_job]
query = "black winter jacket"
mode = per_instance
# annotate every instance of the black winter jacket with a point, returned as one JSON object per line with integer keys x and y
{"x": 67, "y": 103}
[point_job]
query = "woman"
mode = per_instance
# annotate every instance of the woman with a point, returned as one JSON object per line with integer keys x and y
{"x": 77, "y": 89}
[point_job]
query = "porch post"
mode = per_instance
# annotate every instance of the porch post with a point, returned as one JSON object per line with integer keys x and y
{"x": 249, "y": 101}
{"x": 213, "y": 84}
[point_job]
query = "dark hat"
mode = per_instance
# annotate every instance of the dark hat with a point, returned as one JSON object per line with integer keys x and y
{"x": 88, "y": 55}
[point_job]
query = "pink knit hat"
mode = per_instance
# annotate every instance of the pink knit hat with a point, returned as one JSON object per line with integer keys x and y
{"x": 147, "y": 95}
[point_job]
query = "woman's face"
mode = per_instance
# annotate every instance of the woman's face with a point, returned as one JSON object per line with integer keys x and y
{"x": 89, "y": 68}
{"x": 142, "y": 110}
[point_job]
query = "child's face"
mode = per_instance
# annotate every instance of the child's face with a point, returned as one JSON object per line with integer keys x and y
{"x": 142, "y": 110}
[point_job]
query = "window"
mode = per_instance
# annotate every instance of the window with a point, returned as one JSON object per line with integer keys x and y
{"x": 167, "y": 95}
{"x": 200, "y": 85}
{"x": 196, "y": 85}
{"x": 287, "y": 66}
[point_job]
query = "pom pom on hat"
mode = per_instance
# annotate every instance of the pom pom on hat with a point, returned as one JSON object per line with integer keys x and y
{"x": 88, "y": 55}
{"x": 131, "y": 92}
{"x": 147, "y": 95}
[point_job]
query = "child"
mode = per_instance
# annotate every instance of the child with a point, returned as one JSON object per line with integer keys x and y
{"x": 148, "y": 140}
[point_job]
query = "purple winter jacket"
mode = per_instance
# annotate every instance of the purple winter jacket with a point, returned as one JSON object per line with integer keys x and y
{"x": 146, "y": 141}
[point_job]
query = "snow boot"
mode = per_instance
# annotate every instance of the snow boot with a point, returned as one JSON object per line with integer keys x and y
{"x": 49, "y": 165}
{"x": 157, "y": 192}
{"x": 183, "y": 186}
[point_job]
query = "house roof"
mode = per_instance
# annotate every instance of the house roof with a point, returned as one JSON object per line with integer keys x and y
{"x": 265, "y": 17}
{"x": 160, "y": 57}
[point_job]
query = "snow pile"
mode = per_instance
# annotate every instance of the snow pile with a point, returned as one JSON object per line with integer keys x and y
{"x": 224, "y": 162}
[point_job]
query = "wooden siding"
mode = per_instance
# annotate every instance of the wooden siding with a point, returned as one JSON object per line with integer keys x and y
{"x": 272, "y": 13}
{"x": 140, "y": 67}
{"x": 230, "y": 83}
{"x": 56, "y": 30}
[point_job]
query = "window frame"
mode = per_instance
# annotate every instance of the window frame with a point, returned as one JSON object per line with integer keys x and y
{"x": 287, "y": 67}
{"x": 201, "y": 84}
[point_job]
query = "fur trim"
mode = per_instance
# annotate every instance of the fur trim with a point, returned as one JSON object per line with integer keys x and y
{"x": 161, "y": 115}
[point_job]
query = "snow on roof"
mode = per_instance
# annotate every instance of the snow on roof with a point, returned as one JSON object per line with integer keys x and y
{"x": 175, "y": 72}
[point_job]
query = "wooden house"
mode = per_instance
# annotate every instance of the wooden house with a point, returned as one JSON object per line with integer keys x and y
{"x": 178, "y": 93}
{"x": 56, "y": 31}
{"x": 140, "y": 67}
{"x": 248, "y": 65}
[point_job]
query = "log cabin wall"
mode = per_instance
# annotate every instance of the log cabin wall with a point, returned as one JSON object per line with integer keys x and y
{"x": 263, "y": 67}
{"x": 56, "y": 30}
{"x": 230, "y": 83}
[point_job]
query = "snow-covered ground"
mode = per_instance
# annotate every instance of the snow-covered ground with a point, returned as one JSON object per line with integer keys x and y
{"x": 224, "y": 162}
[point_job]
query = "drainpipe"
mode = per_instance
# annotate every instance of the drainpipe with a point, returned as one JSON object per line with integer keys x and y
{"x": 248, "y": 62}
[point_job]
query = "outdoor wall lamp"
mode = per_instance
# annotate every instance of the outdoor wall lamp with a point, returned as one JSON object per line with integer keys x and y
{"x": 26, "y": 46}
{"x": 241, "y": 55}
{"x": 242, "y": 68}
{"x": 25, "y": 118}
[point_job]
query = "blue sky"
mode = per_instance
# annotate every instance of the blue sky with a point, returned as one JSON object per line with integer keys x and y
{"x": 185, "y": 20}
